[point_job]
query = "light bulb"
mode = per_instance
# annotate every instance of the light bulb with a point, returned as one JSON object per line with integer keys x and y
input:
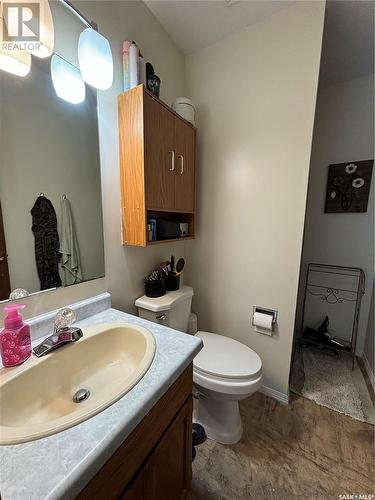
{"x": 17, "y": 62}
{"x": 95, "y": 59}
{"x": 67, "y": 80}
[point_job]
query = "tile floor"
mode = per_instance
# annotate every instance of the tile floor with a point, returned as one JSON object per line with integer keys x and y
{"x": 300, "y": 451}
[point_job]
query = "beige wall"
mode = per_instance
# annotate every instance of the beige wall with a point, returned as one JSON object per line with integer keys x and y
{"x": 118, "y": 21}
{"x": 255, "y": 94}
{"x": 343, "y": 132}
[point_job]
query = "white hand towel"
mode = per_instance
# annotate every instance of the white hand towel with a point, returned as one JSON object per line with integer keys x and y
{"x": 70, "y": 260}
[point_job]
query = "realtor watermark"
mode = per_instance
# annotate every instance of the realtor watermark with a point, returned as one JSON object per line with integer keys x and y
{"x": 358, "y": 496}
{"x": 20, "y": 25}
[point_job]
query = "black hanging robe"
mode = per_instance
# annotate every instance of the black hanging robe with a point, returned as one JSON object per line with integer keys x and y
{"x": 44, "y": 227}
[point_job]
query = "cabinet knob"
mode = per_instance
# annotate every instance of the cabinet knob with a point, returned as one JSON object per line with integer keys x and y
{"x": 172, "y": 160}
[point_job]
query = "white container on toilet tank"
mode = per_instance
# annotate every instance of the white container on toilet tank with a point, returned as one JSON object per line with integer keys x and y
{"x": 172, "y": 309}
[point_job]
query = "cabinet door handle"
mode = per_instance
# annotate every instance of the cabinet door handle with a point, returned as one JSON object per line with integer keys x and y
{"x": 172, "y": 161}
{"x": 182, "y": 164}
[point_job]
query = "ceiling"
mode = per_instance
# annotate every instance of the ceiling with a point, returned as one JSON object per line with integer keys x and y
{"x": 348, "y": 42}
{"x": 194, "y": 24}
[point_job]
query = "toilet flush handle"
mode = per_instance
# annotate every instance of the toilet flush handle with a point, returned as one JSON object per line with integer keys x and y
{"x": 161, "y": 317}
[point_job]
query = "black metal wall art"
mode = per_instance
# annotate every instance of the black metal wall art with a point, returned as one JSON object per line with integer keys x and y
{"x": 348, "y": 186}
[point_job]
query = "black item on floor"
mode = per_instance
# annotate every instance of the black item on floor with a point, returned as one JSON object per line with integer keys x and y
{"x": 324, "y": 326}
{"x": 167, "y": 229}
{"x": 199, "y": 434}
{"x": 172, "y": 282}
{"x": 155, "y": 284}
{"x": 321, "y": 336}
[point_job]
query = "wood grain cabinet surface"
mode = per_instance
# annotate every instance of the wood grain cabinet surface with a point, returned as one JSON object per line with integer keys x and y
{"x": 157, "y": 165}
{"x": 154, "y": 461}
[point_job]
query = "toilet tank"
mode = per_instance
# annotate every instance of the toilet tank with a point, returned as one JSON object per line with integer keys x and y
{"x": 172, "y": 309}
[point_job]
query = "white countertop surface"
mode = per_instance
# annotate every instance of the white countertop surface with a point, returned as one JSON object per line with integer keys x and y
{"x": 59, "y": 466}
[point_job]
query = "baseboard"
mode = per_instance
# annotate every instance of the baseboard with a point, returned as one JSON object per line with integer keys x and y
{"x": 272, "y": 393}
{"x": 370, "y": 374}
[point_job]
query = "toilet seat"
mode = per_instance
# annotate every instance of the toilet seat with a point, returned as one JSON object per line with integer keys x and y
{"x": 226, "y": 358}
{"x": 226, "y": 366}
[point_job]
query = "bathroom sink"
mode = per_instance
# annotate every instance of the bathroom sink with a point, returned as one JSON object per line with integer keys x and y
{"x": 37, "y": 398}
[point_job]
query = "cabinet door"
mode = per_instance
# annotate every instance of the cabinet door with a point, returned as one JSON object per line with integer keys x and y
{"x": 159, "y": 155}
{"x": 166, "y": 475}
{"x": 169, "y": 466}
{"x": 185, "y": 166}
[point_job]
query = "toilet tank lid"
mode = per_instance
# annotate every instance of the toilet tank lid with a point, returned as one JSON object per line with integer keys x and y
{"x": 166, "y": 302}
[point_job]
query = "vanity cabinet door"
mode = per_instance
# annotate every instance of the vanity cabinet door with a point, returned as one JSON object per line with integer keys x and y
{"x": 166, "y": 475}
{"x": 169, "y": 466}
{"x": 159, "y": 155}
{"x": 184, "y": 138}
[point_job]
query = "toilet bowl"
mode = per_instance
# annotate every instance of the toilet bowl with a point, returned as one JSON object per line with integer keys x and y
{"x": 224, "y": 371}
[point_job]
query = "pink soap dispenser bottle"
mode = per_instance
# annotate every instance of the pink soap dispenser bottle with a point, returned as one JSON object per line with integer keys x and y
{"x": 15, "y": 340}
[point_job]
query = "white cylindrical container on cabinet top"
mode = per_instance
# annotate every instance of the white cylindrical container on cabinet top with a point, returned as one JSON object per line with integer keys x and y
{"x": 184, "y": 107}
{"x": 134, "y": 65}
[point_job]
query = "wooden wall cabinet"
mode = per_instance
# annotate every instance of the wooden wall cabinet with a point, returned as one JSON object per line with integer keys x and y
{"x": 154, "y": 462}
{"x": 157, "y": 165}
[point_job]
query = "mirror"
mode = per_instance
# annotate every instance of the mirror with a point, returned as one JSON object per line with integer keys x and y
{"x": 51, "y": 229}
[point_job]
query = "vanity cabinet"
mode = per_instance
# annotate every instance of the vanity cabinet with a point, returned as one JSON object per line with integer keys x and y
{"x": 154, "y": 461}
{"x": 157, "y": 165}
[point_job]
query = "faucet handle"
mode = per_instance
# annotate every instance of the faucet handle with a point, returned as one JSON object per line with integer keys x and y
{"x": 64, "y": 318}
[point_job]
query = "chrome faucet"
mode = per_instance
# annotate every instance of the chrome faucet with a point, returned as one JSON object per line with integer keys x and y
{"x": 63, "y": 334}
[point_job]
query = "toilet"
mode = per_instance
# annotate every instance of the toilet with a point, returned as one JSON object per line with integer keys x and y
{"x": 224, "y": 371}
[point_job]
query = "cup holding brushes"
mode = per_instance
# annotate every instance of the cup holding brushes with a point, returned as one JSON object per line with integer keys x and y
{"x": 174, "y": 273}
{"x": 155, "y": 283}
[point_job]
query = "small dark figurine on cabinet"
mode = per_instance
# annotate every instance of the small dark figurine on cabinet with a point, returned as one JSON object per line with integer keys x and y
{"x": 153, "y": 81}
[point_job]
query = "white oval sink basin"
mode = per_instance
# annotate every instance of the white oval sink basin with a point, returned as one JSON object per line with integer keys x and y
{"x": 36, "y": 398}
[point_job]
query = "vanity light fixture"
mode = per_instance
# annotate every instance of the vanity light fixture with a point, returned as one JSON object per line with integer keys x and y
{"x": 67, "y": 80}
{"x": 94, "y": 54}
{"x": 95, "y": 59}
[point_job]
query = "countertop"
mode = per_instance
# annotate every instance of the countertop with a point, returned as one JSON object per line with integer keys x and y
{"x": 59, "y": 466}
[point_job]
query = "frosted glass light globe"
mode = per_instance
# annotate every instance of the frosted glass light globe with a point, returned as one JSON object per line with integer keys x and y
{"x": 67, "y": 80}
{"x": 16, "y": 62}
{"x": 95, "y": 59}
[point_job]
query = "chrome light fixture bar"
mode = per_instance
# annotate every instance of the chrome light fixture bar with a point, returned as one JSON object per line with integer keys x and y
{"x": 81, "y": 17}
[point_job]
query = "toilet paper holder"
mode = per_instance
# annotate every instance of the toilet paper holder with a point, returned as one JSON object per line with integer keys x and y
{"x": 265, "y": 310}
